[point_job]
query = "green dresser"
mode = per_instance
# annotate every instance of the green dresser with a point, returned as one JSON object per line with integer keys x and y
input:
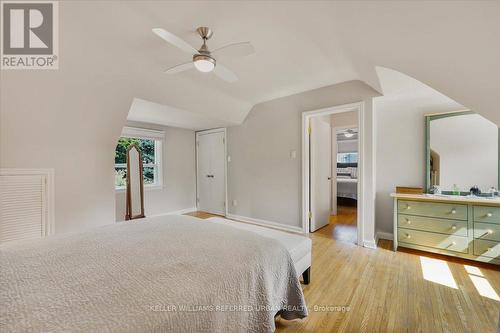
{"x": 455, "y": 226}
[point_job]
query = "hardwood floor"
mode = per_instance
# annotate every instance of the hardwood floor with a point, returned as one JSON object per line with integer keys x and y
{"x": 342, "y": 227}
{"x": 386, "y": 291}
{"x": 202, "y": 215}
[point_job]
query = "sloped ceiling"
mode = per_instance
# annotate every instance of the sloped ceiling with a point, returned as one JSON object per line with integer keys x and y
{"x": 300, "y": 45}
{"x": 406, "y": 93}
{"x": 450, "y": 46}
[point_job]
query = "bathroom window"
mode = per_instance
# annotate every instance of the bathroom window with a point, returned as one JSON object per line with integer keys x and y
{"x": 347, "y": 157}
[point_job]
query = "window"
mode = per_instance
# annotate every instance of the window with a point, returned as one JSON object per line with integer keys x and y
{"x": 149, "y": 142}
{"x": 347, "y": 158}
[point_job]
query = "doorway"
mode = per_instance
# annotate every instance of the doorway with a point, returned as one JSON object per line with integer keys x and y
{"x": 332, "y": 172}
{"x": 211, "y": 171}
{"x": 344, "y": 206}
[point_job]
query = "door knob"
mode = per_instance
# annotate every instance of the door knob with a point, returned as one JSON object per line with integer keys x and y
{"x": 329, "y": 178}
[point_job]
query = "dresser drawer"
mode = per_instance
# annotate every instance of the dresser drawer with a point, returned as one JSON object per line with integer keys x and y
{"x": 433, "y": 209}
{"x": 444, "y": 226}
{"x": 434, "y": 240}
{"x": 486, "y": 248}
{"x": 487, "y": 214}
{"x": 488, "y": 231}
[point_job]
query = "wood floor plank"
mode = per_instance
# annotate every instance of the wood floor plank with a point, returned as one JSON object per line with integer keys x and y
{"x": 387, "y": 292}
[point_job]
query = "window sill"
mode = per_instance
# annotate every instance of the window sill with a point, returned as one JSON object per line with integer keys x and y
{"x": 146, "y": 188}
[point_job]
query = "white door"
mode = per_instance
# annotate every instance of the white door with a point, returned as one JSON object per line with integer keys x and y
{"x": 211, "y": 175}
{"x": 320, "y": 169}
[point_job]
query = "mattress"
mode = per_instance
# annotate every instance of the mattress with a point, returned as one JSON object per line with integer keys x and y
{"x": 298, "y": 246}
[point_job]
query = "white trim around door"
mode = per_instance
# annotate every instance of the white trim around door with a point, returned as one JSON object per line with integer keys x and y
{"x": 306, "y": 116}
{"x": 209, "y": 131}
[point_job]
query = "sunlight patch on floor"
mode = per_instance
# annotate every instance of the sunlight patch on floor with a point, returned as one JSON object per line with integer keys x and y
{"x": 437, "y": 271}
{"x": 473, "y": 270}
{"x": 483, "y": 286}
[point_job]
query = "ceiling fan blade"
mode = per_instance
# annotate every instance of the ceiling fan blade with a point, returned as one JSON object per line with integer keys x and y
{"x": 179, "y": 68}
{"x": 241, "y": 49}
{"x": 174, "y": 40}
{"x": 225, "y": 73}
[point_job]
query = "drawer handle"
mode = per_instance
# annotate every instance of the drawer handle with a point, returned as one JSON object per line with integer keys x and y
{"x": 408, "y": 207}
{"x": 489, "y": 215}
{"x": 454, "y": 227}
{"x": 408, "y": 236}
{"x": 488, "y": 232}
{"x": 453, "y": 211}
{"x": 408, "y": 221}
{"x": 451, "y": 244}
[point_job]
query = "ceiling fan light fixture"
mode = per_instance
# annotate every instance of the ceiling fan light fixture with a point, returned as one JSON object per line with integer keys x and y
{"x": 203, "y": 63}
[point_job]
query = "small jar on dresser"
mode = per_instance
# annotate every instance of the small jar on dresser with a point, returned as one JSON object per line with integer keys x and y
{"x": 466, "y": 227}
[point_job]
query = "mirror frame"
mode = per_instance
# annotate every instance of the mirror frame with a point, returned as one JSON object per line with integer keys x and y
{"x": 428, "y": 119}
{"x": 129, "y": 215}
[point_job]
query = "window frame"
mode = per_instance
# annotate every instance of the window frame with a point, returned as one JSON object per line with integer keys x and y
{"x": 158, "y": 138}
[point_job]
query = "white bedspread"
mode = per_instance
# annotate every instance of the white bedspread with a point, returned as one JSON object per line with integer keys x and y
{"x": 163, "y": 274}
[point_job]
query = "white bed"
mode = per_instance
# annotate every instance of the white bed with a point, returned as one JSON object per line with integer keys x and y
{"x": 162, "y": 274}
{"x": 299, "y": 247}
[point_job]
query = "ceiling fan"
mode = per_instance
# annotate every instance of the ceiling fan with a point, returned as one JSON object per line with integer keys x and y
{"x": 204, "y": 59}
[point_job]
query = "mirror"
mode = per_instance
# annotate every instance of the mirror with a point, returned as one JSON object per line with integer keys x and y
{"x": 135, "y": 184}
{"x": 461, "y": 152}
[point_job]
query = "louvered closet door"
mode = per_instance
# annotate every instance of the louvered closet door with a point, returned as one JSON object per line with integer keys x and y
{"x": 22, "y": 207}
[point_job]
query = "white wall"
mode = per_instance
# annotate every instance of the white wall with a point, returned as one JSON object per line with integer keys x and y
{"x": 70, "y": 126}
{"x": 400, "y": 137}
{"x": 468, "y": 150}
{"x": 70, "y": 119}
{"x": 400, "y": 155}
{"x": 179, "y": 174}
{"x": 262, "y": 177}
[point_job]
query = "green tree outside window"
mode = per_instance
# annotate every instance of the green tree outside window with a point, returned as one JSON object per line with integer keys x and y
{"x": 147, "y": 147}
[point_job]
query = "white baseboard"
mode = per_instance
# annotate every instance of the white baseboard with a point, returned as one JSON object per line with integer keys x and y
{"x": 371, "y": 244}
{"x": 385, "y": 235}
{"x": 176, "y": 212}
{"x": 265, "y": 223}
{"x": 182, "y": 211}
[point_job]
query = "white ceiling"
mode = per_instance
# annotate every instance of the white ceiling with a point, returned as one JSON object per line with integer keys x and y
{"x": 406, "y": 93}
{"x": 154, "y": 113}
{"x": 300, "y": 45}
